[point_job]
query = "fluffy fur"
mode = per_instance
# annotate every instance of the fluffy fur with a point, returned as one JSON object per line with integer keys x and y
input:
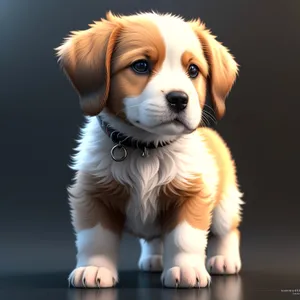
{"x": 175, "y": 196}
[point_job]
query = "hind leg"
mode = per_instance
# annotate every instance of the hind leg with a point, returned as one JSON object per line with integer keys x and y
{"x": 223, "y": 250}
{"x": 151, "y": 255}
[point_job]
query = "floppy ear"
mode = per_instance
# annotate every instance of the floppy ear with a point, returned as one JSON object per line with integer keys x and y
{"x": 85, "y": 56}
{"x": 223, "y": 68}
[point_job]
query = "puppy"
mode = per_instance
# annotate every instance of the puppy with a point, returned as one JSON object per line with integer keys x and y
{"x": 144, "y": 164}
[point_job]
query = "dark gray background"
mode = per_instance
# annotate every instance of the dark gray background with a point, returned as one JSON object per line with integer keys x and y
{"x": 40, "y": 118}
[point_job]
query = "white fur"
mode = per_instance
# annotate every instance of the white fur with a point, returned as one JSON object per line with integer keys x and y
{"x": 151, "y": 255}
{"x": 151, "y": 247}
{"x": 185, "y": 247}
{"x": 224, "y": 251}
{"x": 97, "y": 247}
{"x": 145, "y": 176}
{"x": 228, "y": 208}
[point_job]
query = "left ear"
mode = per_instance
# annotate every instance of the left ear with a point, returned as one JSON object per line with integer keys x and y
{"x": 223, "y": 68}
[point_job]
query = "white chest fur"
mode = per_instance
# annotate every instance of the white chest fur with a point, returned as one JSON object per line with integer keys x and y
{"x": 145, "y": 176}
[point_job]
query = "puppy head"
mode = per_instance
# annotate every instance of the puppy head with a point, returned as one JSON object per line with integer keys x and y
{"x": 149, "y": 69}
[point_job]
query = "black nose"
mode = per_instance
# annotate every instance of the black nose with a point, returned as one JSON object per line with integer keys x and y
{"x": 177, "y": 100}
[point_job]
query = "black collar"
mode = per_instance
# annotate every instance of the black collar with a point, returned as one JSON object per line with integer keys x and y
{"x": 121, "y": 140}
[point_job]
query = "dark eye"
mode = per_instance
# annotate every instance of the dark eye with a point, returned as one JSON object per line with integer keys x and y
{"x": 141, "y": 66}
{"x": 193, "y": 71}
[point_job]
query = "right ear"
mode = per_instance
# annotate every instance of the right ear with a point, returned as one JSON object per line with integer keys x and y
{"x": 85, "y": 56}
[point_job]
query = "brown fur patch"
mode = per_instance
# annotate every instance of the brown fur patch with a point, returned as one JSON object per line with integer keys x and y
{"x": 199, "y": 82}
{"x": 223, "y": 67}
{"x": 189, "y": 58}
{"x": 139, "y": 39}
{"x": 92, "y": 202}
{"x": 190, "y": 201}
{"x": 85, "y": 57}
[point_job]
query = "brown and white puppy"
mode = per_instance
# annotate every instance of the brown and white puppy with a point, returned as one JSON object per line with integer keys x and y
{"x": 146, "y": 76}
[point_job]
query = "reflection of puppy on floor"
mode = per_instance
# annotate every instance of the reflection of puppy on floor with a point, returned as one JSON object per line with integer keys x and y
{"x": 223, "y": 288}
{"x": 144, "y": 163}
{"x": 94, "y": 294}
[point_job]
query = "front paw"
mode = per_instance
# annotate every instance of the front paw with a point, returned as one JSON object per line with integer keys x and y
{"x": 151, "y": 263}
{"x": 185, "y": 277}
{"x": 92, "y": 277}
{"x": 221, "y": 264}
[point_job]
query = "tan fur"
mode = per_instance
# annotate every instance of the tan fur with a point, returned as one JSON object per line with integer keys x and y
{"x": 236, "y": 222}
{"x": 199, "y": 82}
{"x": 92, "y": 202}
{"x": 85, "y": 57}
{"x": 225, "y": 164}
{"x": 223, "y": 68}
{"x": 238, "y": 233}
{"x": 191, "y": 202}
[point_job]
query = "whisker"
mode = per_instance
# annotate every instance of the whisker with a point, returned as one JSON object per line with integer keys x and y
{"x": 212, "y": 118}
{"x": 204, "y": 120}
{"x": 209, "y": 115}
{"x": 209, "y": 107}
{"x": 212, "y": 114}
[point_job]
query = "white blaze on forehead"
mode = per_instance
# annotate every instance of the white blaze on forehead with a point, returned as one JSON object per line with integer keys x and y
{"x": 178, "y": 37}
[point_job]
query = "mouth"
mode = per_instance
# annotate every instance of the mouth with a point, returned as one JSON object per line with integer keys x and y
{"x": 171, "y": 127}
{"x": 176, "y": 122}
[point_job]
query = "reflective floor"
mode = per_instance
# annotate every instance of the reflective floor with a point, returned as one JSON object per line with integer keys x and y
{"x": 136, "y": 285}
